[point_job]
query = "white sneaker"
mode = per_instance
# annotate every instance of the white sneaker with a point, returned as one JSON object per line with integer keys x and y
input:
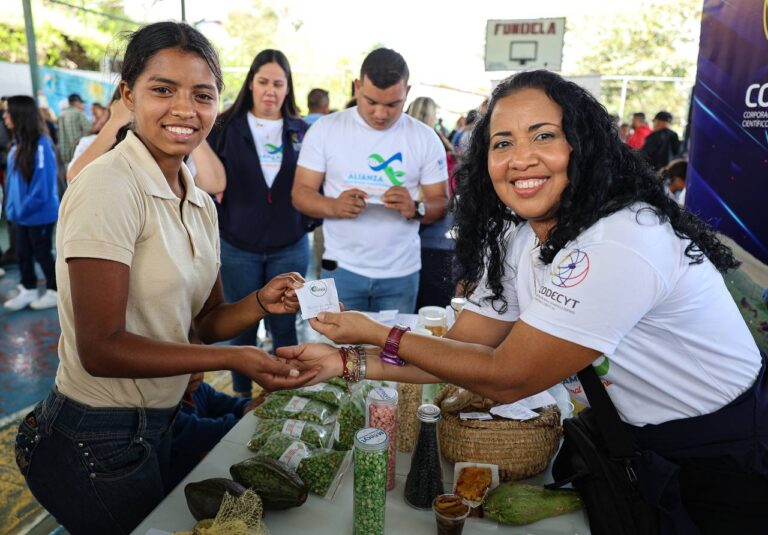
{"x": 24, "y": 298}
{"x": 48, "y": 300}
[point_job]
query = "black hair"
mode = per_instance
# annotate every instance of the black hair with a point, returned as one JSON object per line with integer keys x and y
{"x": 640, "y": 115}
{"x": 148, "y": 40}
{"x": 604, "y": 176}
{"x": 317, "y": 98}
{"x": 244, "y": 101}
{"x": 663, "y": 116}
{"x": 74, "y": 98}
{"x": 27, "y": 128}
{"x": 677, "y": 168}
{"x": 471, "y": 117}
{"x": 384, "y": 68}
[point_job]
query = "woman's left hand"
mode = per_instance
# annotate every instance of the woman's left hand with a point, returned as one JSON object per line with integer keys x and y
{"x": 278, "y": 296}
{"x": 349, "y": 328}
{"x": 321, "y": 357}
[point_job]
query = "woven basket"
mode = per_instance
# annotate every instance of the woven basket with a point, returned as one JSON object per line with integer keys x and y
{"x": 520, "y": 448}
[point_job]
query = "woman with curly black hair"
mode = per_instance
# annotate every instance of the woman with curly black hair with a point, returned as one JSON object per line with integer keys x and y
{"x": 572, "y": 256}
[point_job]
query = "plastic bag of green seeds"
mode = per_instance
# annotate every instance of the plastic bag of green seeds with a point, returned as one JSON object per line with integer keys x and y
{"x": 314, "y": 435}
{"x": 321, "y": 469}
{"x": 325, "y": 392}
{"x": 296, "y": 408}
{"x": 351, "y": 417}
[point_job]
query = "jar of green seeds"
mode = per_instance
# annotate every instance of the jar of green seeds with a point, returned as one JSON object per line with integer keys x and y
{"x": 371, "y": 445}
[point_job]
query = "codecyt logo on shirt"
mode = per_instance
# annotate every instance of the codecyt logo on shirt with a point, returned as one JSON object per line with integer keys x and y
{"x": 571, "y": 270}
{"x": 378, "y": 163}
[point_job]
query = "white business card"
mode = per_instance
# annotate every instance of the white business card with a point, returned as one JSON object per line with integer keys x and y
{"x": 318, "y": 296}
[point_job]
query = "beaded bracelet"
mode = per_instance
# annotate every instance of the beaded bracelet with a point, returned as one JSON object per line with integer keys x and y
{"x": 361, "y": 363}
{"x": 349, "y": 365}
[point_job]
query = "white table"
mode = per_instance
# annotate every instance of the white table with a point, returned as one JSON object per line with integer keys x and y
{"x": 323, "y": 517}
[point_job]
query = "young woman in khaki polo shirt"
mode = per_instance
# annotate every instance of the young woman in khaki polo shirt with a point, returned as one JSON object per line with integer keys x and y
{"x": 138, "y": 266}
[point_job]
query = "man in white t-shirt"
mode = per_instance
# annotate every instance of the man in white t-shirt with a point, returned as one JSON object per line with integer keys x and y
{"x": 372, "y": 163}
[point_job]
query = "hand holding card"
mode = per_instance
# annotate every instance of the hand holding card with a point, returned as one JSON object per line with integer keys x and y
{"x": 318, "y": 296}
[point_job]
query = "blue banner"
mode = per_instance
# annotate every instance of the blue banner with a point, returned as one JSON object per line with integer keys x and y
{"x": 58, "y": 84}
{"x": 728, "y": 172}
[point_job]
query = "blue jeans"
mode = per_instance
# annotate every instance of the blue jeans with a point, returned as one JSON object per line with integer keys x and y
{"x": 372, "y": 295}
{"x": 96, "y": 470}
{"x": 35, "y": 243}
{"x": 242, "y": 273}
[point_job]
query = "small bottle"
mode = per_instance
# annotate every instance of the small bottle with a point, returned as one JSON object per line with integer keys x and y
{"x": 382, "y": 413}
{"x": 425, "y": 479}
{"x": 371, "y": 445}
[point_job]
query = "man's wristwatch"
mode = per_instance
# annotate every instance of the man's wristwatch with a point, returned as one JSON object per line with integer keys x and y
{"x": 389, "y": 353}
{"x": 421, "y": 210}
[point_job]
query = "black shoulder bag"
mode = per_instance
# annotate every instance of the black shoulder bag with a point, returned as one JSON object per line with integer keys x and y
{"x": 597, "y": 457}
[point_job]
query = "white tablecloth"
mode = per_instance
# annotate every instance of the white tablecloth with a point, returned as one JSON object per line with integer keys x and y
{"x": 322, "y": 517}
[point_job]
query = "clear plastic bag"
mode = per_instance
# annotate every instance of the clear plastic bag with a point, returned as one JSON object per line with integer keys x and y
{"x": 321, "y": 469}
{"x": 296, "y": 408}
{"x": 351, "y": 416}
{"x": 314, "y": 435}
{"x": 325, "y": 392}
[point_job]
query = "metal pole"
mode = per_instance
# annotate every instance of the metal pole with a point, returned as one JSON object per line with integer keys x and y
{"x": 623, "y": 98}
{"x": 183, "y": 11}
{"x": 29, "y": 27}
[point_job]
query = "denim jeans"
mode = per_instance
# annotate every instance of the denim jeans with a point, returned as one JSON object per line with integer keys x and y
{"x": 372, "y": 295}
{"x": 35, "y": 243}
{"x": 96, "y": 470}
{"x": 242, "y": 273}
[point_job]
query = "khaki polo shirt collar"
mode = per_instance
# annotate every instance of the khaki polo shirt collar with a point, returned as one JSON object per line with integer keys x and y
{"x": 150, "y": 176}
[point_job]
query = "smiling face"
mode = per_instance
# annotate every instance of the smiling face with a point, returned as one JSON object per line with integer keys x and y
{"x": 174, "y": 103}
{"x": 528, "y": 156}
{"x": 380, "y": 108}
{"x": 269, "y": 88}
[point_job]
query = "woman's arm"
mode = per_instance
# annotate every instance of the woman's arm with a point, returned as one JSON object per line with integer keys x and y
{"x": 99, "y": 291}
{"x": 211, "y": 176}
{"x": 119, "y": 116}
{"x": 527, "y": 361}
{"x": 469, "y": 327}
{"x": 219, "y": 321}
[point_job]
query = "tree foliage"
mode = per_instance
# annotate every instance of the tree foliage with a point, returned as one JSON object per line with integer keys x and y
{"x": 659, "y": 39}
{"x": 65, "y": 37}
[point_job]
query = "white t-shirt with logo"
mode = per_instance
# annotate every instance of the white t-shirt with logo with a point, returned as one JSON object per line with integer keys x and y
{"x": 380, "y": 242}
{"x": 268, "y": 136}
{"x": 673, "y": 341}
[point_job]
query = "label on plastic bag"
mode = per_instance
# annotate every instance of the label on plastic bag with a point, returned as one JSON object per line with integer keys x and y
{"x": 294, "y": 454}
{"x": 514, "y": 411}
{"x": 314, "y": 388}
{"x": 294, "y": 427}
{"x": 475, "y": 416}
{"x": 296, "y": 404}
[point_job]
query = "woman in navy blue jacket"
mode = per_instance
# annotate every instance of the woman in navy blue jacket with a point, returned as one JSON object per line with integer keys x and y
{"x": 33, "y": 201}
{"x": 262, "y": 234}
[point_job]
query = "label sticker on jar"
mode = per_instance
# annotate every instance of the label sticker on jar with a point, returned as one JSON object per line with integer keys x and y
{"x": 294, "y": 427}
{"x": 383, "y": 393}
{"x": 296, "y": 404}
{"x": 371, "y": 436}
{"x": 294, "y": 454}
